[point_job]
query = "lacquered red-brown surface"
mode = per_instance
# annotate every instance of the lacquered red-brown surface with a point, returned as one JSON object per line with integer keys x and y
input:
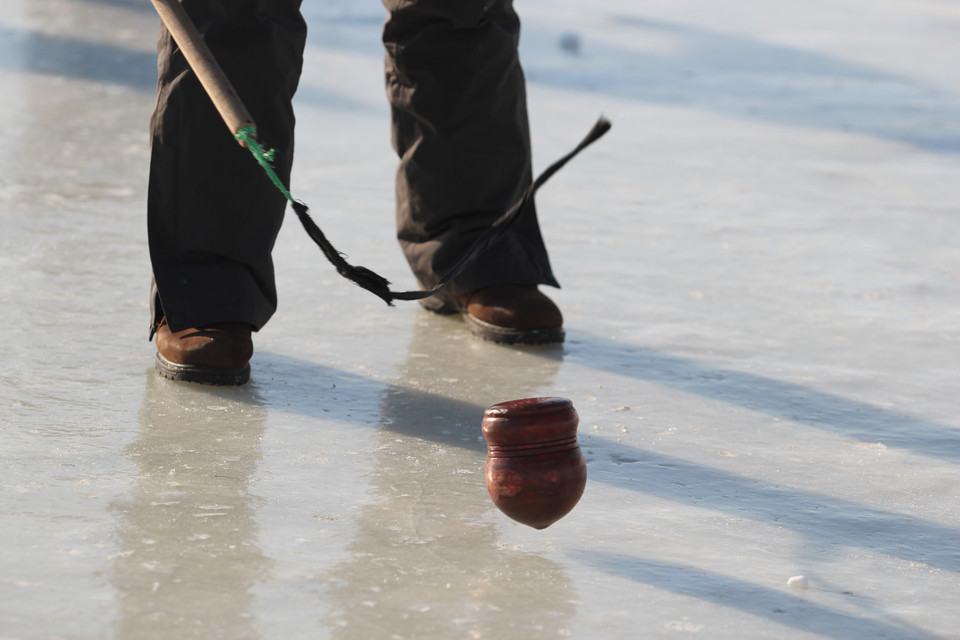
{"x": 535, "y": 470}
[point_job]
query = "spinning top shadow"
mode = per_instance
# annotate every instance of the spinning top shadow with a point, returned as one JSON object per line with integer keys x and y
{"x": 535, "y": 469}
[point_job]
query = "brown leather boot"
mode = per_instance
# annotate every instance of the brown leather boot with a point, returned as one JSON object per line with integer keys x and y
{"x": 512, "y": 314}
{"x": 216, "y": 354}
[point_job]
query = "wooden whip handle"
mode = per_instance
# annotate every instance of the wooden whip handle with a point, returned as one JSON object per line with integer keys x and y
{"x": 198, "y": 56}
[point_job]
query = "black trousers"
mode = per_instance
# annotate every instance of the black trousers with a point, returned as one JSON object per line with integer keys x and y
{"x": 459, "y": 124}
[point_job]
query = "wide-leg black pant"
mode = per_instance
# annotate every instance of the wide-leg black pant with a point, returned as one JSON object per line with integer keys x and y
{"x": 460, "y": 128}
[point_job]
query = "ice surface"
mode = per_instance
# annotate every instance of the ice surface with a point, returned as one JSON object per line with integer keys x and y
{"x": 762, "y": 294}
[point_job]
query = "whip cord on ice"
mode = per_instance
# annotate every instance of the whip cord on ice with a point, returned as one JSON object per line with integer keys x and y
{"x": 377, "y": 284}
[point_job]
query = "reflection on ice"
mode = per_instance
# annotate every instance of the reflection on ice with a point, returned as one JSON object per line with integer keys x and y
{"x": 187, "y": 536}
{"x": 426, "y": 560}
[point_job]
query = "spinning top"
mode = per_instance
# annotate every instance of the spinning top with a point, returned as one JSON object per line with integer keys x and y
{"x": 535, "y": 470}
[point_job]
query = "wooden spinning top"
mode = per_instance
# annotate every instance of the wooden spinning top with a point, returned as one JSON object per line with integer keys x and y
{"x": 535, "y": 469}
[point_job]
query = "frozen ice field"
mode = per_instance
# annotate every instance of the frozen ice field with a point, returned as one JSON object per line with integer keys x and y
{"x": 761, "y": 272}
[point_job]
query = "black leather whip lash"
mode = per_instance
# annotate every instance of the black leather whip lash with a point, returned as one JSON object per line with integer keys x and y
{"x": 241, "y": 125}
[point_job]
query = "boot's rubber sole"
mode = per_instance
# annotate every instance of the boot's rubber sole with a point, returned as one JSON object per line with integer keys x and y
{"x": 203, "y": 374}
{"x": 493, "y": 332}
{"x": 509, "y": 335}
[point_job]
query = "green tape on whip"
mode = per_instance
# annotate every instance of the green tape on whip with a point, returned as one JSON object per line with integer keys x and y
{"x": 248, "y": 136}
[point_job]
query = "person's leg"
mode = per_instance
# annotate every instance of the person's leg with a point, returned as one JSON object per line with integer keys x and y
{"x": 213, "y": 215}
{"x": 459, "y": 115}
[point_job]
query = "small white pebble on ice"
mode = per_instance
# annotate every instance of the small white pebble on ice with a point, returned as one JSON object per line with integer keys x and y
{"x": 798, "y": 582}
